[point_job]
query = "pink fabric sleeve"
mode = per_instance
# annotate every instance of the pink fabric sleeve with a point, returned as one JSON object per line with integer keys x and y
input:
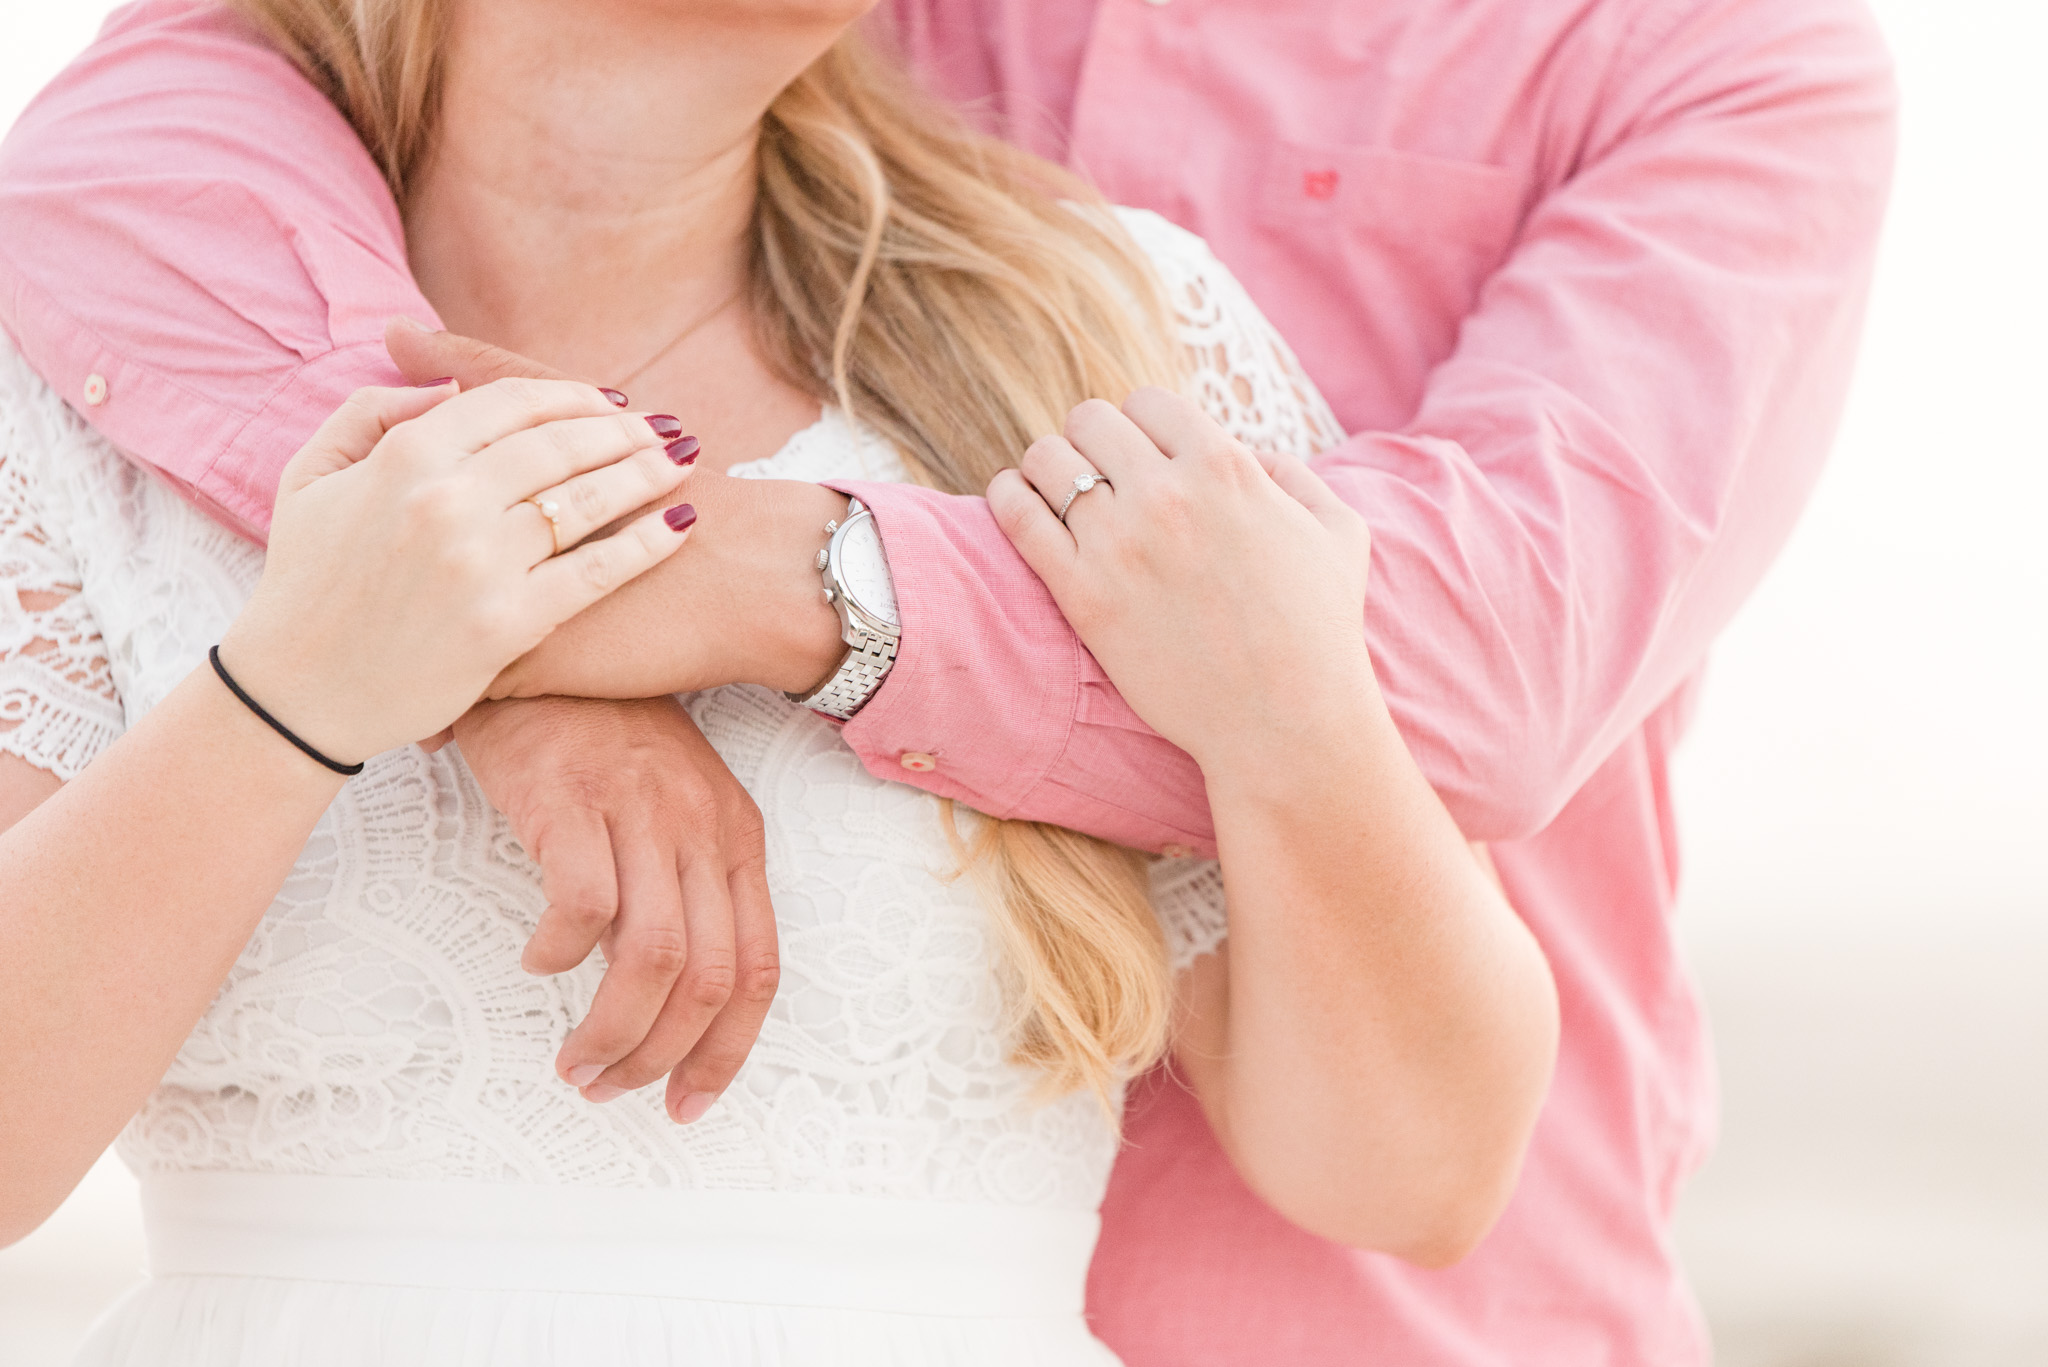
{"x": 1596, "y": 477}
{"x": 1631, "y": 420}
{"x": 184, "y": 217}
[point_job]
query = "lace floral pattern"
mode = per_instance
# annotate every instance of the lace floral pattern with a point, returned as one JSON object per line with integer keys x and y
{"x": 378, "y": 1023}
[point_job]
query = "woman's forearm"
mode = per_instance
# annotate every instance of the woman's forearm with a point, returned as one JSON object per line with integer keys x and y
{"x": 125, "y": 898}
{"x": 1375, "y": 1048}
{"x": 743, "y": 605}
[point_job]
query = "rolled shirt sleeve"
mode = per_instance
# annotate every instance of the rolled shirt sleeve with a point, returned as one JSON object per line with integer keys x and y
{"x": 1593, "y": 476}
{"x": 197, "y": 252}
{"x": 1615, "y": 448}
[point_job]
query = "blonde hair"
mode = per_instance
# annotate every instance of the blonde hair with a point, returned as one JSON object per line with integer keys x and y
{"x": 961, "y": 297}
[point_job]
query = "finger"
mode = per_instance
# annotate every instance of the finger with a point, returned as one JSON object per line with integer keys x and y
{"x": 421, "y": 353}
{"x": 1113, "y": 444}
{"x": 570, "y": 582}
{"x": 481, "y": 417}
{"x": 1052, "y": 465}
{"x": 701, "y": 990}
{"x": 1046, "y": 546}
{"x": 1307, "y": 488}
{"x": 646, "y": 951}
{"x": 439, "y": 739}
{"x": 1179, "y": 427}
{"x": 551, "y": 458}
{"x": 712, "y": 1063}
{"x": 353, "y": 430}
{"x": 581, "y": 882}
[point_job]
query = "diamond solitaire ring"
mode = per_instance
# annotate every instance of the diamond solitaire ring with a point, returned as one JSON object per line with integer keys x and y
{"x": 1082, "y": 484}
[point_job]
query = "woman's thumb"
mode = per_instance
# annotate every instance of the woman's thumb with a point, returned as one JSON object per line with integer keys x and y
{"x": 354, "y": 429}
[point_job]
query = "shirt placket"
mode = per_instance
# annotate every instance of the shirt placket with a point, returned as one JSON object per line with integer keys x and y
{"x": 1134, "y": 111}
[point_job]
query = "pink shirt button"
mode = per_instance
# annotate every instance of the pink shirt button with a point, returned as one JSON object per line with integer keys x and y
{"x": 918, "y": 762}
{"x": 95, "y": 390}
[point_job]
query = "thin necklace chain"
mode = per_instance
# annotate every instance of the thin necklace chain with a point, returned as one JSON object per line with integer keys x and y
{"x": 626, "y": 381}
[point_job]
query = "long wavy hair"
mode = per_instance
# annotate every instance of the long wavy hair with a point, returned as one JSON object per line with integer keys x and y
{"x": 958, "y": 295}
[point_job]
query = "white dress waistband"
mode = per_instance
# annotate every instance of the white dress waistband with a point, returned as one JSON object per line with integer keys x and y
{"x": 761, "y": 1248}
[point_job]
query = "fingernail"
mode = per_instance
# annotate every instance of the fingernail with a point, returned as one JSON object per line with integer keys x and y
{"x": 692, "y": 1107}
{"x": 603, "y": 1092}
{"x": 683, "y": 451}
{"x": 620, "y": 401}
{"x": 436, "y": 384}
{"x": 680, "y": 517}
{"x": 665, "y": 427}
{"x": 583, "y": 1074}
{"x": 415, "y": 324}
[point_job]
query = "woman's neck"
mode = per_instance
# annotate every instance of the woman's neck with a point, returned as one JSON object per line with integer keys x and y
{"x": 592, "y": 181}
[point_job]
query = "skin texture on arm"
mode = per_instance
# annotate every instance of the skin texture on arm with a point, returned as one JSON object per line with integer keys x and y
{"x": 163, "y": 855}
{"x": 1374, "y": 1042}
{"x": 406, "y": 571}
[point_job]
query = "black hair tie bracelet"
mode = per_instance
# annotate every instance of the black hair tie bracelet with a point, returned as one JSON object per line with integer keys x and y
{"x": 346, "y": 770}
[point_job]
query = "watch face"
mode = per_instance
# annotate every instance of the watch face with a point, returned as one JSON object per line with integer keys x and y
{"x": 864, "y": 571}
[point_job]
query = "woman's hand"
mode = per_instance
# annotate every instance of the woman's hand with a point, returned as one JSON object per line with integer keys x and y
{"x": 1224, "y": 593}
{"x": 1374, "y": 1044}
{"x": 408, "y": 565}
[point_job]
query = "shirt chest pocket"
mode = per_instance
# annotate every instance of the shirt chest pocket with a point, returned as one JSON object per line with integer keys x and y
{"x": 1402, "y": 242}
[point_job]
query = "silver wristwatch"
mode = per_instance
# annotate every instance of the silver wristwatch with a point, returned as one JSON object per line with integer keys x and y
{"x": 858, "y": 586}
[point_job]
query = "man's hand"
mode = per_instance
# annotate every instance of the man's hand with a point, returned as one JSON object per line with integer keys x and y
{"x": 649, "y": 847}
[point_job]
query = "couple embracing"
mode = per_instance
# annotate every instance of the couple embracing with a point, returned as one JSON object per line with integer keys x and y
{"x": 928, "y": 669}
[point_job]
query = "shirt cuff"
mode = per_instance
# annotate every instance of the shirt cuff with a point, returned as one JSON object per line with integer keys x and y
{"x": 987, "y": 676}
{"x": 994, "y": 701}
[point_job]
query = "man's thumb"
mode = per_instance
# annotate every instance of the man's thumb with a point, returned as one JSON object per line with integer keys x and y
{"x": 421, "y": 355}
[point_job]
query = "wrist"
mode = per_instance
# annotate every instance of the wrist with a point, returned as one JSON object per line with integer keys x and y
{"x": 1275, "y": 748}
{"x": 784, "y": 634}
{"x": 256, "y": 679}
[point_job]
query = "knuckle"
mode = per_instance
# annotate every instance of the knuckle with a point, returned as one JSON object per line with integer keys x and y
{"x": 659, "y": 951}
{"x": 760, "y": 977}
{"x": 521, "y": 396}
{"x": 1089, "y": 415}
{"x": 433, "y": 504}
{"x": 711, "y": 980}
{"x": 586, "y": 500}
{"x": 598, "y": 566}
{"x": 1039, "y": 456}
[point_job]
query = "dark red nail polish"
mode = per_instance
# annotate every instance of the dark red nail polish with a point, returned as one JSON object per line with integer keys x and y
{"x": 436, "y": 384}
{"x": 683, "y": 450}
{"x": 680, "y": 517}
{"x": 665, "y": 427}
{"x": 618, "y": 400}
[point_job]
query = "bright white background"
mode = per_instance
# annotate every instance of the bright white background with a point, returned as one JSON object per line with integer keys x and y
{"x": 1864, "y": 798}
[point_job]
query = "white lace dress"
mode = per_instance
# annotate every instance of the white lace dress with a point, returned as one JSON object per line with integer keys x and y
{"x": 362, "y": 1154}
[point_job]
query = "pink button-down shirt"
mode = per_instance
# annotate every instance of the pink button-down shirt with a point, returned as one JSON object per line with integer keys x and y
{"x": 1583, "y": 277}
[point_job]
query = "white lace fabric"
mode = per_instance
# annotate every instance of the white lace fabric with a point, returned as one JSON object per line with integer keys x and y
{"x": 378, "y": 1023}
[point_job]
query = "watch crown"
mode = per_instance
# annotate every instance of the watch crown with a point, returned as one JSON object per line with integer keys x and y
{"x": 824, "y": 559}
{"x": 831, "y": 527}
